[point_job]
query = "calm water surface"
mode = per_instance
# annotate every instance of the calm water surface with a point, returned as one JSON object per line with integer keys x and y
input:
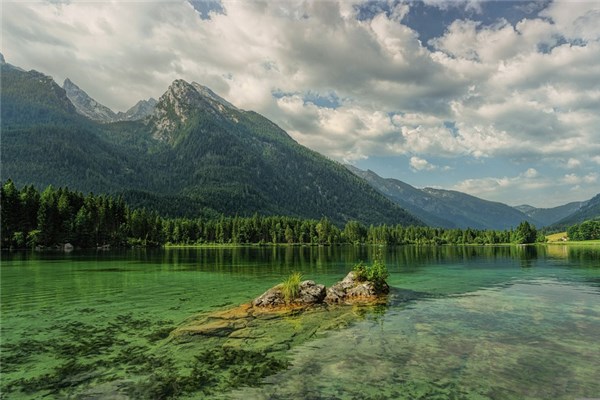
{"x": 460, "y": 323}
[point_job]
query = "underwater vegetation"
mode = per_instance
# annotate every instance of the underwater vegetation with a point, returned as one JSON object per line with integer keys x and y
{"x": 87, "y": 355}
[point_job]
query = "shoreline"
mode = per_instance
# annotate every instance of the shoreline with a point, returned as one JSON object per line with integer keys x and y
{"x": 590, "y": 243}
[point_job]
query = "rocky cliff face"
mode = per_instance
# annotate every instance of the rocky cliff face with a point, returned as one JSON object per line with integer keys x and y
{"x": 87, "y": 106}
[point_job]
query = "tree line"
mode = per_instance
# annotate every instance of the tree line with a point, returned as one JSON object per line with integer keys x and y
{"x": 587, "y": 230}
{"x": 58, "y": 216}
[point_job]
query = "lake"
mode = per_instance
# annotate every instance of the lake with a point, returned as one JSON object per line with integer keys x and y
{"x": 460, "y": 323}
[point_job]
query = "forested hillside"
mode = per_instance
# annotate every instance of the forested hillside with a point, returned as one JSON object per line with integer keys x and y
{"x": 196, "y": 154}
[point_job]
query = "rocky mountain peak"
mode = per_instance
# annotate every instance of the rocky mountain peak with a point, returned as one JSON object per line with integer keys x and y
{"x": 87, "y": 106}
{"x": 181, "y": 101}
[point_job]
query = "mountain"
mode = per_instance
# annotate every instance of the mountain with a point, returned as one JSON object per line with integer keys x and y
{"x": 589, "y": 210}
{"x": 405, "y": 195}
{"x": 548, "y": 216}
{"x": 30, "y": 97}
{"x": 446, "y": 208}
{"x": 140, "y": 110}
{"x": 239, "y": 161}
{"x": 46, "y": 141}
{"x": 196, "y": 154}
{"x": 90, "y": 108}
{"x": 87, "y": 106}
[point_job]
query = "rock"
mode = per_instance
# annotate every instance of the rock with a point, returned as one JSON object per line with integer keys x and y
{"x": 308, "y": 293}
{"x": 349, "y": 288}
{"x": 68, "y": 247}
{"x": 271, "y": 298}
{"x": 311, "y": 293}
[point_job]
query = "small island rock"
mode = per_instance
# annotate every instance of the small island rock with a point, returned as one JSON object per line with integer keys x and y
{"x": 309, "y": 293}
{"x": 350, "y": 288}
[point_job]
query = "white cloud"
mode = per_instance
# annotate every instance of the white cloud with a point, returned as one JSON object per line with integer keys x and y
{"x": 573, "y": 163}
{"x": 420, "y": 164}
{"x": 530, "y": 178}
{"x": 574, "y": 179}
{"x": 571, "y": 179}
{"x": 530, "y": 187}
{"x": 530, "y": 173}
{"x": 575, "y": 19}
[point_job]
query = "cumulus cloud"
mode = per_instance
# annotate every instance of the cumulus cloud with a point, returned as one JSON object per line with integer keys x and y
{"x": 420, "y": 164}
{"x": 574, "y": 179}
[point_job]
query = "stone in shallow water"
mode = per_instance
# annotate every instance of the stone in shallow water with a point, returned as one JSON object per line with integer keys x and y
{"x": 309, "y": 293}
{"x": 350, "y": 289}
{"x": 271, "y": 298}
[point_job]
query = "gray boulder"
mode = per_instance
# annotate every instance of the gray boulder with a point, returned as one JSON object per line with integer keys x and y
{"x": 311, "y": 293}
{"x": 271, "y": 298}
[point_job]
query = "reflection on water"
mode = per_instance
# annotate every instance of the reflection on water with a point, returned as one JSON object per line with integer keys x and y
{"x": 470, "y": 322}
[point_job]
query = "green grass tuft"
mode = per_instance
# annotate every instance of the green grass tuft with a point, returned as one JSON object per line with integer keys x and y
{"x": 291, "y": 286}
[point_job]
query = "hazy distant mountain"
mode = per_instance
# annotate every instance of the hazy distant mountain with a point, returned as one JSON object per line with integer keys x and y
{"x": 87, "y": 106}
{"x": 548, "y": 216}
{"x": 446, "y": 208}
{"x": 194, "y": 154}
{"x": 407, "y": 196}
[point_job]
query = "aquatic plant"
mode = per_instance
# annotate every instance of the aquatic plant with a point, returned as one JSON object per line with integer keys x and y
{"x": 212, "y": 371}
{"x": 291, "y": 286}
{"x": 376, "y": 273}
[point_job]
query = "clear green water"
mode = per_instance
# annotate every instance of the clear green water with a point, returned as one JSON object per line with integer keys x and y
{"x": 460, "y": 323}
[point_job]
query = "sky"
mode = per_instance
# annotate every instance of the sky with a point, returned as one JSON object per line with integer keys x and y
{"x": 498, "y": 99}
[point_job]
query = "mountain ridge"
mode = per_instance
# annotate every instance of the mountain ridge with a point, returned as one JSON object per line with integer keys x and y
{"x": 95, "y": 111}
{"x": 549, "y": 216}
{"x": 446, "y": 208}
{"x": 589, "y": 210}
{"x": 195, "y": 147}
